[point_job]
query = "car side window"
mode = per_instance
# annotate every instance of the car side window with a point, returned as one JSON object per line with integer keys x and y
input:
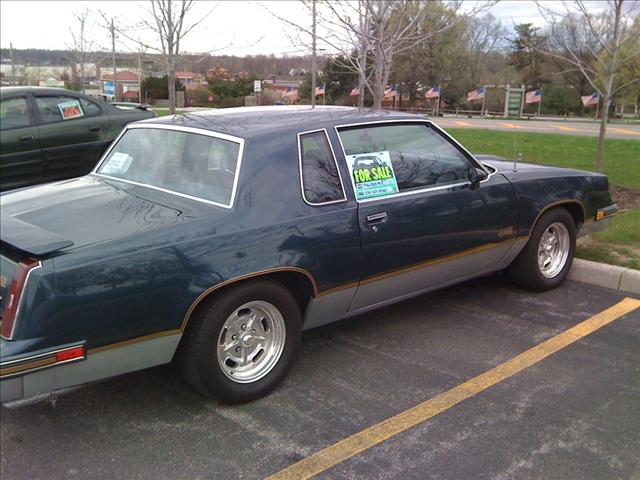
{"x": 321, "y": 182}
{"x": 388, "y": 159}
{"x": 14, "y": 113}
{"x": 59, "y": 108}
{"x": 91, "y": 109}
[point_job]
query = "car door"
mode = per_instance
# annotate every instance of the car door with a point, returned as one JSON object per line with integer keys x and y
{"x": 20, "y": 154}
{"x": 423, "y": 223}
{"x": 72, "y": 134}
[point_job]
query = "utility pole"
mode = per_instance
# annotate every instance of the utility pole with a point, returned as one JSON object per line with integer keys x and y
{"x": 313, "y": 55}
{"x": 140, "y": 76}
{"x": 113, "y": 60}
{"x": 13, "y": 64}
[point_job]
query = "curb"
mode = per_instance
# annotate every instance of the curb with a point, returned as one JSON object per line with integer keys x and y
{"x": 604, "y": 275}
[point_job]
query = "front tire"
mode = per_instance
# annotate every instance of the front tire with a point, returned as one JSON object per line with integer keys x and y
{"x": 546, "y": 259}
{"x": 241, "y": 345}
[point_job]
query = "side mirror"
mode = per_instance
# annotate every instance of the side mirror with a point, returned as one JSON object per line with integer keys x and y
{"x": 476, "y": 175}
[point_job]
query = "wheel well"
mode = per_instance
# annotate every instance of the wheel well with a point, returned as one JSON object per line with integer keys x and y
{"x": 299, "y": 284}
{"x": 576, "y": 211}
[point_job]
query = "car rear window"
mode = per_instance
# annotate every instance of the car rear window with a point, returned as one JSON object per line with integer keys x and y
{"x": 197, "y": 165}
{"x": 320, "y": 177}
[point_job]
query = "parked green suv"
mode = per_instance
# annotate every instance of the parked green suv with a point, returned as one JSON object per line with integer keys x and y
{"x": 49, "y": 134}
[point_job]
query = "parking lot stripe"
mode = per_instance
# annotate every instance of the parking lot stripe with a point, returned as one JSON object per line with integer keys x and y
{"x": 365, "y": 439}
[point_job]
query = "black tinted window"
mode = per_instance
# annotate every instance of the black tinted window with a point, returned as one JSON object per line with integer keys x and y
{"x": 90, "y": 108}
{"x": 387, "y": 159}
{"x": 59, "y": 108}
{"x": 320, "y": 177}
{"x": 14, "y": 112}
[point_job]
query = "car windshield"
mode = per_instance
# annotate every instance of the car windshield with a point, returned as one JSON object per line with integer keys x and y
{"x": 193, "y": 164}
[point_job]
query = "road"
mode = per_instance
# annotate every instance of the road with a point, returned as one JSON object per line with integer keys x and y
{"x": 589, "y": 129}
{"x": 572, "y": 414}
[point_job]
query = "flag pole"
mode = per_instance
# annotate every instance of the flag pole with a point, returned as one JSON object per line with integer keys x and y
{"x": 540, "y": 103}
{"x": 484, "y": 95}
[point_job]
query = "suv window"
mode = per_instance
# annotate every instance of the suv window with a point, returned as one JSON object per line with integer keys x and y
{"x": 59, "y": 108}
{"x": 14, "y": 113}
{"x": 192, "y": 164}
{"x": 321, "y": 181}
{"x": 387, "y": 159}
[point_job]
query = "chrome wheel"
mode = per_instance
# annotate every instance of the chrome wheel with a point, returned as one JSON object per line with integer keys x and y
{"x": 553, "y": 250}
{"x": 251, "y": 341}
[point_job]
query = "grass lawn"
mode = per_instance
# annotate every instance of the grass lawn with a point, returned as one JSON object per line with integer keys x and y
{"x": 621, "y": 163}
{"x": 619, "y": 245}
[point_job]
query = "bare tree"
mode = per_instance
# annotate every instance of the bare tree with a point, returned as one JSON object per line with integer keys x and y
{"x": 369, "y": 34}
{"x": 170, "y": 24}
{"x": 611, "y": 40}
{"x": 81, "y": 46}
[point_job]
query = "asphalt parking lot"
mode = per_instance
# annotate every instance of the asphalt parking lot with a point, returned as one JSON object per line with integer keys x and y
{"x": 574, "y": 414}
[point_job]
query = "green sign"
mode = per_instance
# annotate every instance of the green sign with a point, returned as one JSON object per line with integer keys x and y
{"x": 513, "y": 102}
{"x": 372, "y": 174}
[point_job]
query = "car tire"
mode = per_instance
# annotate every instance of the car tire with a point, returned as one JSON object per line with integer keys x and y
{"x": 546, "y": 259}
{"x": 241, "y": 345}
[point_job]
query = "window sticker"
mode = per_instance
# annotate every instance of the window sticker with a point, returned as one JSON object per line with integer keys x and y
{"x": 372, "y": 174}
{"x": 118, "y": 164}
{"x": 70, "y": 109}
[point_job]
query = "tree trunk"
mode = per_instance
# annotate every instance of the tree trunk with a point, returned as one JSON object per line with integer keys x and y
{"x": 601, "y": 134}
{"x": 171, "y": 76}
{"x": 378, "y": 91}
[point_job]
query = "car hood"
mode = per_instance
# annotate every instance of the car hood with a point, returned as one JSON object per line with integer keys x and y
{"x": 88, "y": 210}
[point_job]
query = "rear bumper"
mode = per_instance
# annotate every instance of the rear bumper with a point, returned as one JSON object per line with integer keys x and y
{"x": 96, "y": 365}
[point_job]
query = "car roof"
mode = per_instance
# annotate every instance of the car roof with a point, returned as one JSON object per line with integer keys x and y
{"x": 247, "y": 122}
{"x": 46, "y": 90}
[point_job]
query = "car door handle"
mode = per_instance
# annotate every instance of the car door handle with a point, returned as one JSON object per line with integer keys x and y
{"x": 25, "y": 138}
{"x": 377, "y": 217}
{"x": 94, "y": 129}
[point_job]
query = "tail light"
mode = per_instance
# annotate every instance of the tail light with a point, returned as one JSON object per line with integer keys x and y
{"x": 12, "y": 302}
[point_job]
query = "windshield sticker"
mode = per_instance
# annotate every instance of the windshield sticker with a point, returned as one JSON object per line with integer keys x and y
{"x": 70, "y": 109}
{"x": 372, "y": 174}
{"x": 117, "y": 164}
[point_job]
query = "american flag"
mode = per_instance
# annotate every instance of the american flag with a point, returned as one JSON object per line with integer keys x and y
{"x": 391, "y": 92}
{"x": 355, "y": 92}
{"x": 590, "y": 99}
{"x": 475, "y": 95}
{"x": 534, "y": 96}
{"x": 320, "y": 90}
{"x": 291, "y": 92}
{"x": 433, "y": 92}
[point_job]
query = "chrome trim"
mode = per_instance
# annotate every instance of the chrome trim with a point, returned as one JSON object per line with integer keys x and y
{"x": 24, "y": 289}
{"x": 197, "y": 131}
{"x": 422, "y": 190}
{"x": 27, "y": 360}
{"x": 335, "y": 161}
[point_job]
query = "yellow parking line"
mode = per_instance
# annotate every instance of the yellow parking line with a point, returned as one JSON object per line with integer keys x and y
{"x": 566, "y": 129}
{"x": 355, "y": 444}
{"x": 510, "y": 125}
{"x": 463, "y": 124}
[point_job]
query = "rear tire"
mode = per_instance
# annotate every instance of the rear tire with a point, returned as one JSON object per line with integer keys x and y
{"x": 241, "y": 345}
{"x": 546, "y": 259}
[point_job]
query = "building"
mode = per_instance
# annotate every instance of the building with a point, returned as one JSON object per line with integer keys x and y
{"x": 191, "y": 80}
{"x": 128, "y": 85}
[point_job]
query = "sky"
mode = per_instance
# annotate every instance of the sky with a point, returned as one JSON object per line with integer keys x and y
{"x": 233, "y": 28}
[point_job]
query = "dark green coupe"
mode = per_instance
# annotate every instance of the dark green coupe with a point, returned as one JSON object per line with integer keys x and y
{"x": 48, "y": 134}
{"x": 215, "y": 238}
